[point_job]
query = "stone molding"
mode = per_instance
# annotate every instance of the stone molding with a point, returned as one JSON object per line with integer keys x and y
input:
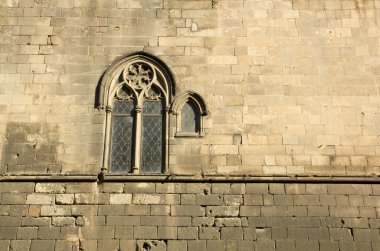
{"x": 164, "y": 178}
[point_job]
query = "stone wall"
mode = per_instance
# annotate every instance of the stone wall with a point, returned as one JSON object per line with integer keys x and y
{"x": 292, "y": 89}
{"x": 292, "y": 86}
{"x": 189, "y": 216}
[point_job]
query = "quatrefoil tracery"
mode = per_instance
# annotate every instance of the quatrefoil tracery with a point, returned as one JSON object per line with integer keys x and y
{"x": 139, "y": 75}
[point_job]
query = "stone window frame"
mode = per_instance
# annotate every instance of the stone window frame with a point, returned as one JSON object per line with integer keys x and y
{"x": 196, "y": 101}
{"x": 108, "y": 91}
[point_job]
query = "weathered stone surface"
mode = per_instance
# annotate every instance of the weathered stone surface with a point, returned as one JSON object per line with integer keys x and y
{"x": 64, "y": 199}
{"x": 120, "y": 198}
{"x": 293, "y": 216}
{"x": 49, "y": 188}
{"x": 291, "y": 89}
{"x": 40, "y": 199}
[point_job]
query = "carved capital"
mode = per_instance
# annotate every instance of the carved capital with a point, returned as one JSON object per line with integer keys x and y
{"x": 108, "y": 108}
{"x": 138, "y": 109}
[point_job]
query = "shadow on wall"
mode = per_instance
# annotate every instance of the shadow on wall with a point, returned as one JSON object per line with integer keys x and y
{"x": 30, "y": 148}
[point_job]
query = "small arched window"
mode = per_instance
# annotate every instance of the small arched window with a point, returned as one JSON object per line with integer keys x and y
{"x": 189, "y": 118}
{"x": 136, "y": 92}
{"x": 190, "y": 110}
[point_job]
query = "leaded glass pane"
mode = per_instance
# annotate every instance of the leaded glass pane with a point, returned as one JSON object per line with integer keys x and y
{"x": 122, "y": 135}
{"x": 189, "y": 119}
{"x": 152, "y": 137}
{"x": 123, "y": 107}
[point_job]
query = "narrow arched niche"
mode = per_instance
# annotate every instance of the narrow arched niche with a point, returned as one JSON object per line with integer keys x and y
{"x": 190, "y": 109}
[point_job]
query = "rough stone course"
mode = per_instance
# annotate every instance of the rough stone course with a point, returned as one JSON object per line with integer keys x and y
{"x": 100, "y": 225}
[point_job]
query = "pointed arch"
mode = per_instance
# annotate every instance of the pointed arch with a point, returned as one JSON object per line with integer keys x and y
{"x": 106, "y": 86}
{"x": 190, "y": 108}
{"x": 136, "y": 91}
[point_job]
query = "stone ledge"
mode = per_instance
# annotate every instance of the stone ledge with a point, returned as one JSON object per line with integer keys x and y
{"x": 164, "y": 178}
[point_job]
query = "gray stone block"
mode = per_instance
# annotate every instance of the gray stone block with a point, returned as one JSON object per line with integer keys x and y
{"x": 187, "y": 233}
{"x": 232, "y": 233}
{"x": 27, "y": 233}
{"x": 196, "y": 245}
{"x": 112, "y": 245}
{"x": 174, "y": 245}
{"x": 145, "y": 232}
{"x": 20, "y": 245}
{"x": 38, "y": 245}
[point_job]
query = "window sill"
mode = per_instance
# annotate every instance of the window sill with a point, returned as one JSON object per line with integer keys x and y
{"x": 188, "y": 135}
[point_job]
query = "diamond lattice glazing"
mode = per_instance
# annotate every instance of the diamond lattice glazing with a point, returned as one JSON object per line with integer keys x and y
{"x": 189, "y": 119}
{"x": 152, "y": 147}
{"x": 122, "y": 127}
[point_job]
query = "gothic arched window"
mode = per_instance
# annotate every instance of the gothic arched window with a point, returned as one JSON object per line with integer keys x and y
{"x": 189, "y": 118}
{"x": 136, "y": 92}
{"x": 190, "y": 109}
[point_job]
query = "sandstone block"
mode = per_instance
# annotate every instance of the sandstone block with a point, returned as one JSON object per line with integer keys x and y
{"x": 55, "y": 210}
{"x": 187, "y": 210}
{"x": 49, "y": 188}
{"x": 145, "y": 232}
{"x": 42, "y": 244}
{"x": 42, "y": 199}
{"x": 64, "y": 199}
{"x": 232, "y": 233}
{"x": 222, "y": 211}
{"x": 120, "y": 198}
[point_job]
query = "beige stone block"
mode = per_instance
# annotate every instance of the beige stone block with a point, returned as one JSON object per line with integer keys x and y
{"x": 328, "y": 140}
{"x": 250, "y": 170}
{"x": 344, "y": 150}
{"x": 301, "y": 4}
{"x": 227, "y": 169}
{"x": 270, "y": 160}
{"x": 368, "y": 141}
{"x": 22, "y": 99}
{"x": 219, "y": 160}
{"x": 38, "y": 21}
{"x": 353, "y": 130}
{"x": 274, "y": 140}
{"x": 55, "y": 210}
{"x": 146, "y": 199}
{"x": 251, "y": 100}
{"x": 178, "y": 41}
{"x": 261, "y": 150}
{"x": 320, "y": 160}
{"x": 253, "y": 160}
{"x": 252, "y": 119}
{"x": 5, "y": 98}
{"x": 291, "y": 14}
{"x": 224, "y": 149}
{"x": 295, "y": 170}
{"x": 340, "y": 161}
{"x": 49, "y": 188}
{"x": 64, "y": 199}
{"x": 283, "y": 160}
{"x": 301, "y": 160}
{"x": 274, "y": 170}
{"x": 358, "y": 160}
{"x": 43, "y": 199}
{"x": 348, "y": 5}
{"x": 257, "y": 139}
{"x": 290, "y": 139}
{"x": 120, "y": 198}
{"x": 233, "y": 100}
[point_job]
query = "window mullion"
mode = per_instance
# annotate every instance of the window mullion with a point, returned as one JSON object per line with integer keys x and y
{"x": 107, "y": 139}
{"x": 138, "y": 129}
